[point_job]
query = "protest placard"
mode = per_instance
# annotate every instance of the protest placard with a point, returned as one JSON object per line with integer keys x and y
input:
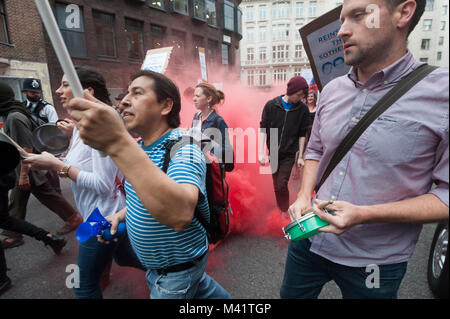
{"x": 324, "y": 49}
{"x": 201, "y": 54}
{"x": 157, "y": 60}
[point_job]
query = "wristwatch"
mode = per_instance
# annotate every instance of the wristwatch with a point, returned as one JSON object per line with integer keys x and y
{"x": 64, "y": 171}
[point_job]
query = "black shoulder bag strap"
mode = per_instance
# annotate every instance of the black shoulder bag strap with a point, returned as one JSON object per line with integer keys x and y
{"x": 180, "y": 142}
{"x": 403, "y": 86}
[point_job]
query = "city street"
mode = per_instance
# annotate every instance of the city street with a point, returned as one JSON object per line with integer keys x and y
{"x": 248, "y": 267}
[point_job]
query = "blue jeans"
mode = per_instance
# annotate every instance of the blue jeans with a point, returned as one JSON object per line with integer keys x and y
{"x": 94, "y": 257}
{"x": 192, "y": 283}
{"x": 306, "y": 273}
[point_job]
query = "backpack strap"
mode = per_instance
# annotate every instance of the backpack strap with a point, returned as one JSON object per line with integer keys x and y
{"x": 166, "y": 161}
{"x": 403, "y": 86}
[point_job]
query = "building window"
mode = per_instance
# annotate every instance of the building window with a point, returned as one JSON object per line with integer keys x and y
{"x": 104, "y": 29}
{"x": 157, "y": 4}
{"x": 225, "y": 50}
{"x": 442, "y": 26}
{"x": 441, "y": 40}
{"x": 249, "y": 13}
{"x": 250, "y": 54}
{"x": 213, "y": 51}
{"x": 280, "y": 32}
{"x": 312, "y": 8}
{"x": 425, "y": 44}
{"x": 4, "y": 35}
{"x": 262, "y": 53}
{"x": 262, "y": 34}
{"x": 178, "y": 40}
{"x": 71, "y": 24}
{"x": 299, "y": 6}
{"x": 427, "y": 24}
{"x": 298, "y": 51}
{"x": 211, "y": 12}
{"x": 280, "y": 52}
{"x": 261, "y": 77}
{"x": 250, "y": 78}
{"x": 444, "y": 9}
{"x": 262, "y": 12}
{"x": 439, "y": 56}
{"x": 280, "y": 10}
{"x": 430, "y": 5}
{"x": 157, "y": 36}
{"x": 228, "y": 15}
{"x": 180, "y": 6}
{"x": 279, "y": 75}
{"x": 200, "y": 9}
{"x": 135, "y": 38}
{"x": 297, "y": 71}
{"x": 197, "y": 42}
{"x": 423, "y": 60}
{"x": 250, "y": 35}
{"x": 297, "y": 31}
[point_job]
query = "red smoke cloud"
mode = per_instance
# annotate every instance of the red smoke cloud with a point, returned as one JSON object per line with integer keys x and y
{"x": 251, "y": 196}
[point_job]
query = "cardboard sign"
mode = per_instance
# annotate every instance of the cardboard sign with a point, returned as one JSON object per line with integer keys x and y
{"x": 157, "y": 60}
{"x": 324, "y": 49}
{"x": 201, "y": 54}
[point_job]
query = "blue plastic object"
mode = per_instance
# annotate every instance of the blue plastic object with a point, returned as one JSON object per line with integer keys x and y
{"x": 95, "y": 225}
{"x": 121, "y": 228}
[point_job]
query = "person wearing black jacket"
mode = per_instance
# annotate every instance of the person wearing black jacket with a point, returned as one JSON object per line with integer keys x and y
{"x": 290, "y": 117}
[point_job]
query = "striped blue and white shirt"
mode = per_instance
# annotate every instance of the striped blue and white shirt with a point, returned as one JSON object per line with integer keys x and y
{"x": 156, "y": 245}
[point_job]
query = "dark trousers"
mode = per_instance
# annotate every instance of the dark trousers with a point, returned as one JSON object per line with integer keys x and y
{"x": 16, "y": 225}
{"x": 306, "y": 273}
{"x": 280, "y": 176}
{"x": 47, "y": 195}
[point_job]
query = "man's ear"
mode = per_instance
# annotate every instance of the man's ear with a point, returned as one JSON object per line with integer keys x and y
{"x": 167, "y": 108}
{"x": 91, "y": 91}
{"x": 404, "y": 14}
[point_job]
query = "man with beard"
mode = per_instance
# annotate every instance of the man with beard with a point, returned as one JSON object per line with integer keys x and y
{"x": 41, "y": 109}
{"x": 382, "y": 189}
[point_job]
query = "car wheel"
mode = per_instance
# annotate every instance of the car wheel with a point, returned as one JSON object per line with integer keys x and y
{"x": 438, "y": 262}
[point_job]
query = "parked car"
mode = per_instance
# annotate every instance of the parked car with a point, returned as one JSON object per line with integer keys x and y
{"x": 438, "y": 262}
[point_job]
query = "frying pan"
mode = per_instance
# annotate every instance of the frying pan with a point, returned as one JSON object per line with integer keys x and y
{"x": 49, "y": 138}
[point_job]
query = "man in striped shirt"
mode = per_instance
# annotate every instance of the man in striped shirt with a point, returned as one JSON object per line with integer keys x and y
{"x": 166, "y": 236}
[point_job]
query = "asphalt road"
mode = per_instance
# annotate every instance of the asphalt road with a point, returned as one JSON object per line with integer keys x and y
{"x": 247, "y": 267}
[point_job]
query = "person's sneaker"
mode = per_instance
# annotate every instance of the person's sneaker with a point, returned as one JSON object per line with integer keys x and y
{"x": 70, "y": 225}
{"x": 5, "y": 284}
{"x": 56, "y": 243}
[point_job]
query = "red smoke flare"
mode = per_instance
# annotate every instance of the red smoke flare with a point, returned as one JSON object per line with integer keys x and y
{"x": 251, "y": 196}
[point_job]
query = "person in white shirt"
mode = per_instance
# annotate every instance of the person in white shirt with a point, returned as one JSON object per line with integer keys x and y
{"x": 96, "y": 183}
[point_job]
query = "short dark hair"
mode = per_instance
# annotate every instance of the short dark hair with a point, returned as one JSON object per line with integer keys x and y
{"x": 420, "y": 8}
{"x": 90, "y": 78}
{"x": 164, "y": 89}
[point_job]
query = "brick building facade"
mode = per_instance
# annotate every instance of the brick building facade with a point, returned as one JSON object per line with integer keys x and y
{"x": 113, "y": 36}
{"x": 22, "y": 49}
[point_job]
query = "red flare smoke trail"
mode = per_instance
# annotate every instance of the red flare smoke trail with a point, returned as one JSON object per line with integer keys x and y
{"x": 251, "y": 196}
